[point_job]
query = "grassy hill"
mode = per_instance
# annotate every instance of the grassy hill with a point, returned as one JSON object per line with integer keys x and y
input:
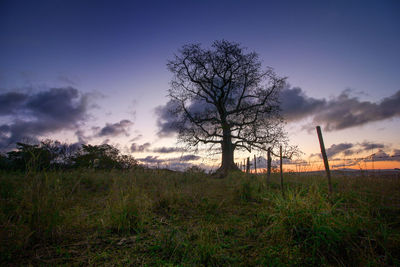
{"x": 158, "y": 217}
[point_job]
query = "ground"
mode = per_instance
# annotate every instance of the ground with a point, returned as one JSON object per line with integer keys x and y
{"x": 154, "y": 217}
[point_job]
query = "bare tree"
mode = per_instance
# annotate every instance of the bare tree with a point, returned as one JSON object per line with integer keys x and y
{"x": 222, "y": 96}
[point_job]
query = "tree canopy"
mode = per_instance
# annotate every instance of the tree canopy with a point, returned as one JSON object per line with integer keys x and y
{"x": 222, "y": 95}
{"x": 50, "y": 154}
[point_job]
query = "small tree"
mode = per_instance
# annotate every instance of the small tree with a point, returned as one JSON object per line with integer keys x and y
{"x": 222, "y": 96}
{"x": 100, "y": 156}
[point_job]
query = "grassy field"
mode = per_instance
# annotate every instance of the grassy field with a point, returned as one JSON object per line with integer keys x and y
{"x": 163, "y": 218}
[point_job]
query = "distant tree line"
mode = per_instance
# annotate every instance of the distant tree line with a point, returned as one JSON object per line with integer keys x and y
{"x": 53, "y": 155}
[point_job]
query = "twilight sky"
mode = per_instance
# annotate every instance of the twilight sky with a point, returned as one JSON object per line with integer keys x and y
{"x": 95, "y": 71}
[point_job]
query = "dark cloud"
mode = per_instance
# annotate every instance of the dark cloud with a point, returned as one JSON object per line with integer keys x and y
{"x": 4, "y": 129}
{"x": 189, "y": 158}
{"x": 344, "y": 111}
{"x": 136, "y": 138}
{"x": 12, "y": 102}
{"x": 360, "y": 150}
{"x": 296, "y": 105}
{"x": 151, "y": 159}
{"x": 339, "y": 148}
{"x": 82, "y": 138}
{"x": 31, "y": 115}
{"x": 176, "y": 163}
{"x": 166, "y": 119}
{"x": 396, "y": 152}
{"x": 349, "y": 152}
{"x": 172, "y": 164}
{"x": 383, "y": 156}
{"x": 166, "y": 150}
{"x": 114, "y": 129}
{"x": 56, "y": 104}
{"x": 369, "y": 145}
{"x": 334, "y": 150}
{"x": 171, "y": 119}
{"x": 341, "y": 112}
{"x": 140, "y": 148}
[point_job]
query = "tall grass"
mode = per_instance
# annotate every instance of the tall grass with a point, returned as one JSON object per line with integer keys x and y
{"x": 154, "y": 217}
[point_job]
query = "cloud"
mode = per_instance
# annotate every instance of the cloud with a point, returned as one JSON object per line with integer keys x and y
{"x": 171, "y": 118}
{"x": 369, "y": 145}
{"x": 341, "y": 112}
{"x": 140, "y": 148}
{"x": 362, "y": 152}
{"x": 337, "y": 149}
{"x": 172, "y": 164}
{"x": 166, "y": 150}
{"x": 12, "y": 102}
{"x": 296, "y": 105}
{"x": 150, "y": 159}
{"x": 136, "y": 138}
{"x": 167, "y": 122}
{"x": 383, "y": 156}
{"x": 82, "y": 138}
{"x": 176, "y": 163}
{"x": 189, "y": 158}
{"x": 114, "y": 129}
{"x": 396, "y": 152}
{"x": 31, "y": 115}
{"x": 346, "y": 111}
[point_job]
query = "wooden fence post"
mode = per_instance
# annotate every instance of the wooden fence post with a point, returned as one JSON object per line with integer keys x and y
{"x": 248, "y": 165}
{"x": 326, "y": 163}
{"x": 280, "y": 155}
{"x": 269, "y": 165}
{"x": 255, "y": 164}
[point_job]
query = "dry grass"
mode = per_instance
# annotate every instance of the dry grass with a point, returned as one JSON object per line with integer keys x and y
{"x": 184, "y": 219}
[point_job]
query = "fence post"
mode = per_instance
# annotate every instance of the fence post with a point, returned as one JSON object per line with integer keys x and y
{"x": 268, "y": 165}
{"x": 280, "y": 155}
{"x": 248, "y": 165}
{"x": 255, "y": 164}
{"x": 326, "y": 163}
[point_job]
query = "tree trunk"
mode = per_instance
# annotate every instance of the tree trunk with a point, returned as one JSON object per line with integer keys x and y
{"x": 228, "y": 149}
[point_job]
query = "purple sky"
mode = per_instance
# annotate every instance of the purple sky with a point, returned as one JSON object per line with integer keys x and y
{"x": 114, "y": 53}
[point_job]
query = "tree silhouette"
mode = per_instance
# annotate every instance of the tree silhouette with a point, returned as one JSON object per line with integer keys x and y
{"x": 30, "y": 157}
{"x": 49, "y": 154}
{"x": 103, "y": 157}
{"x": 100, "y": 156}
{"x": 223, "y": 96}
